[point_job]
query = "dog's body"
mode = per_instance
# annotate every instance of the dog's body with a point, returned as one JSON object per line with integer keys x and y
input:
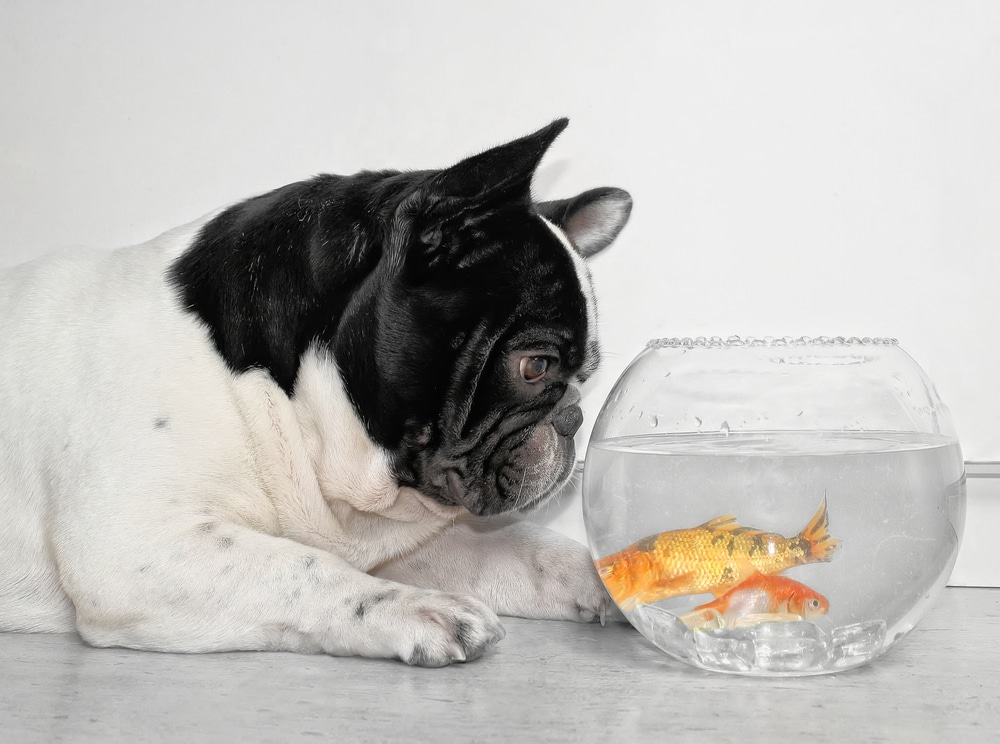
{"x": 267, "y": 430}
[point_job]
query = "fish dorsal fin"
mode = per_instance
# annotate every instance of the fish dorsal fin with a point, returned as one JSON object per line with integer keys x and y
{"x": 725, "y": 523}
{"x": 719, "y": 591}
{"x": 747, "y": 571}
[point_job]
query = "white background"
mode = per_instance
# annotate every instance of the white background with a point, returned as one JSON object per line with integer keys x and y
{"x": 797, "y": 167}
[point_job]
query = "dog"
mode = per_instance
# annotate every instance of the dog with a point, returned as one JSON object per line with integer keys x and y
{"x": 296, "y": 423}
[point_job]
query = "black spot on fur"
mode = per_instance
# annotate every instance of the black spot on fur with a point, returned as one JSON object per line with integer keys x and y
{"x": 420, "y": 657}
{"x": 224, "y": 543}
{"x": 463, "y": 632}
{"x": 364, "y": 606}
{"x": 161, "y": 423}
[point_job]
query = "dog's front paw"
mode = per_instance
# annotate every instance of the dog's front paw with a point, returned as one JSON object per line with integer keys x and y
{"x": 559, "y": 579}
{"x": 437, "y": 629}
{"x": 570, "y": 585}
{"x": 517, "y": 568}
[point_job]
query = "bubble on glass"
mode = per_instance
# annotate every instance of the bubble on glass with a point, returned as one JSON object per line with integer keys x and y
{"x": 716, "y": 342}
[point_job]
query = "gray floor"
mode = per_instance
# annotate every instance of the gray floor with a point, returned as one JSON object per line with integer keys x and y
{"x": 547, "y": 682}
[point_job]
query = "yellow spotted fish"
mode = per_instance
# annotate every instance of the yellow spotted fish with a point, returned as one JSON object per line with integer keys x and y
{"x": 712, "y": 557}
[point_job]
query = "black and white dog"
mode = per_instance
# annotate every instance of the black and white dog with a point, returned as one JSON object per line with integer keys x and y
{"x": 280, "y": 427}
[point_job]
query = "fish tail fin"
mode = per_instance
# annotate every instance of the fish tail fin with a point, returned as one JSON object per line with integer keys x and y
{"x": 821, "y": 545}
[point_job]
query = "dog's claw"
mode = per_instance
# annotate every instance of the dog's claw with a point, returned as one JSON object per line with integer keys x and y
{"x": 447, "y": 628}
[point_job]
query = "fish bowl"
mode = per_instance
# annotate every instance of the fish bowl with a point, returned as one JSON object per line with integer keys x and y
{"x": 774, "y": 506}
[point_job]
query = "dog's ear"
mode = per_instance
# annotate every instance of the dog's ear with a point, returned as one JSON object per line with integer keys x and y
{"x": 591, "y": 220}
{"x": 455, "y": 194}
{"x": 502, "y": 168}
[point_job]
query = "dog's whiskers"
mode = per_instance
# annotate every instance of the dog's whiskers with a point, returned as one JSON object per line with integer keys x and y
{"x": 520, "y": 488}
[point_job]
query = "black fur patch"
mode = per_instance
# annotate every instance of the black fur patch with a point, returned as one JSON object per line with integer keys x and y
{"x": 272, "y": 274}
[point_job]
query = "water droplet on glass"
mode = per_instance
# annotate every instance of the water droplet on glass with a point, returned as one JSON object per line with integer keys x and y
{"x": 725, "y": 428}
{"x": 653, "y": 420}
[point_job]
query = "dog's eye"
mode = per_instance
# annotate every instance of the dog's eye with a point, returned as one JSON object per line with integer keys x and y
{"x": 533, "y": 368}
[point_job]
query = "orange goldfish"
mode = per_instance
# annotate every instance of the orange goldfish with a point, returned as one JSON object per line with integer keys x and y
{"x": 769, "y": 595}
{"x": 712, "y": 557}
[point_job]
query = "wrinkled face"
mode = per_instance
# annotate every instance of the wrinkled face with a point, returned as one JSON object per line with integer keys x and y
{"x": 473, "y": 322}
{"x": 501, "y": 342}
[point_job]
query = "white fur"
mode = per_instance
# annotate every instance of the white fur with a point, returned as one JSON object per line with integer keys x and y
{"x": 592, "y": 358}
{"x": 151, "y": 498}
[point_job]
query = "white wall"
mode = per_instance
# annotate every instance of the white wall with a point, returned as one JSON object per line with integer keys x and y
{"x": 797, "y": 167}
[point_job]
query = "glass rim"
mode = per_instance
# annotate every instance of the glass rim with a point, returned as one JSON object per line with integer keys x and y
{"x": 746, "y": 342}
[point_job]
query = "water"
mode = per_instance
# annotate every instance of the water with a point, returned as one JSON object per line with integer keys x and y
{"x": 895, "y": 501}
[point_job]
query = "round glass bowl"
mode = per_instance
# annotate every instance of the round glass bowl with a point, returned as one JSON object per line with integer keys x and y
{"x": 774, "y": 506}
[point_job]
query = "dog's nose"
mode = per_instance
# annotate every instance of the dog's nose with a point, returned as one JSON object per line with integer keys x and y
{"x": 568, "y": 420}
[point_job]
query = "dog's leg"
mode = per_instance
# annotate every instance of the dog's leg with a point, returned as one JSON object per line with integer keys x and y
{"x": 221, "y": 586}
{"x": 517, "y": 568}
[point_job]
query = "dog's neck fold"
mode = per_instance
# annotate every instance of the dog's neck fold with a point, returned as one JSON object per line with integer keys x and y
{"x": 330, "y": 486}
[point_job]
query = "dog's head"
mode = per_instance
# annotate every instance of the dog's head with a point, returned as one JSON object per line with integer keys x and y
{"x": 459, "y": 312}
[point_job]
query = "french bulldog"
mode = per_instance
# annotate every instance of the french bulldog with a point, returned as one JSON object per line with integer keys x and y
{"x": 291, "y": 425}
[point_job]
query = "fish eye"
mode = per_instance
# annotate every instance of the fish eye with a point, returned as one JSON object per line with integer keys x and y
{"x": 813, "y": 604}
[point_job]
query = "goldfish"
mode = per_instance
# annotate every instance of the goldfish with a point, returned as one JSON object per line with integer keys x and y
{"x": 761, "y": 597}
{"x": 712, "y": 557}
